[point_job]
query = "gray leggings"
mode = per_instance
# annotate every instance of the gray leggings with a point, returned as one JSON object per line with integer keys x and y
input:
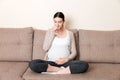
{"x": 76, "y": 66}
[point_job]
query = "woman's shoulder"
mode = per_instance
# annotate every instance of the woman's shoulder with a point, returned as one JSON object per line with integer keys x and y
{"x": 50, "y": 33}
{"x": 50, "y": 30}
{"x": 70, "y": 32}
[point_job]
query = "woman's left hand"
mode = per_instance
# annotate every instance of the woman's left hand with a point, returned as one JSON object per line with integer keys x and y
{"x": 61, "y": 60}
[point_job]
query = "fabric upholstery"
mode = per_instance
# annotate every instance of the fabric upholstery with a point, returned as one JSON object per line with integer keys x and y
{"x": 12, "y": 70}
{"x": 38, "y": 52}
{"x": 16, "y": 44}
{"x": 19, "y": 45}
{"x": 99, "y": 46}
{"x": 101, "y": 71}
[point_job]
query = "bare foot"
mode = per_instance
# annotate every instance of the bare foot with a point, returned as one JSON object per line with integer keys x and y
{"x": 52, "y": 68}
{"x": 64, "y": 71}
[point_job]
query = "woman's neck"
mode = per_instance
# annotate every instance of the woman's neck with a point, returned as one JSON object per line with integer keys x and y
{"x": 61, "y": 33}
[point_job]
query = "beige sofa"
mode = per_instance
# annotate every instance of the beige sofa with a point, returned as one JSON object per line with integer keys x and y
{"x": 18, "y": 46}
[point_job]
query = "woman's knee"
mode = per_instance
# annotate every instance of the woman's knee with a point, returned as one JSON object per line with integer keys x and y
{"x": 38, "y": 66}
{"x": 79, "y": 68}
{"x": 85, "y": 67}
{"x": 32, "y": 64}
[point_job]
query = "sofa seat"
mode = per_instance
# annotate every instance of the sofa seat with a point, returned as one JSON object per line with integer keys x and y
{"x": 12, "y": 70}
{"x": 96, "y": 71}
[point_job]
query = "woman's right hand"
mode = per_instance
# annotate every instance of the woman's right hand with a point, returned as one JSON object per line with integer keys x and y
{"x": 55, "y": 30}
{"x": 61, "y": 60}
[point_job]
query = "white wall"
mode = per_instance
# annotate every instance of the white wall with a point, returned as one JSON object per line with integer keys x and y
{"x": 80, "y": 14}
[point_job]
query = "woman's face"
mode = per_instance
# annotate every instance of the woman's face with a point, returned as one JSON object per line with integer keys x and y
{"x": 58, "y": 23}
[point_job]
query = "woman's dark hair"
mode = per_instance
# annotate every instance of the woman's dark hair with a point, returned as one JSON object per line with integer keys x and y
{"x": 60, "y": 15}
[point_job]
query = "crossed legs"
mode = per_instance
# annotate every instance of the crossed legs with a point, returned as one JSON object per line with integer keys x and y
{"x": 71, "y": 67}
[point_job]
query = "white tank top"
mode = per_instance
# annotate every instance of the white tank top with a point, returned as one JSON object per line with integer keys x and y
{"x": 59, "y": 48}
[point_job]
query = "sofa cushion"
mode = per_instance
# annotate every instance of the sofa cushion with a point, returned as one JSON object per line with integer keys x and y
{"x": 96, "y": 71}
{"x": 99, "y": 46}
{"x": 38, "y": 52}
{"x": 16, "y": 44}
{"x": 39, "y": 35}
{"x": 12, "y": 70}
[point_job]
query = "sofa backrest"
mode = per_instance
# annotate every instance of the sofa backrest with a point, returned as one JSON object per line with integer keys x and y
{"x": 16, "y": 44}
{"x": 99, "y": 46}
{"x": 39, "y": 35}
{"x": 38, "y": 52}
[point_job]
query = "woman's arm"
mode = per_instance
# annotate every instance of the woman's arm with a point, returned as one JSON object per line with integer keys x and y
{"x": 73, "y": 51}
{"x": 45, "y": 46}
{"x": 48, "y": 40}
